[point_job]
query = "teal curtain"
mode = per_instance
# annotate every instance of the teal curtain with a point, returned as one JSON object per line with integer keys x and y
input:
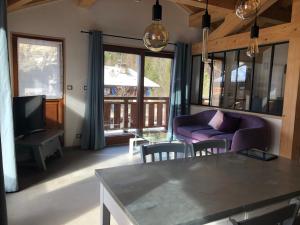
{"x": 93, "y": 127}
{"x": 6, "y": 118}
{"x": 3, "y": 215}
{"x": 180, "y": 84}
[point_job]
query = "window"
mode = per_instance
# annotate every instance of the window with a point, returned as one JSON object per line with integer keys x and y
{"x": 261, "y": 80}
{"x": 206, "y": 83}
{"x": 136, "y": 89}
{"x": 217, "y": 79}
{"x": 230, "y": 79}
{"x": 121, "y": 73}
{"x": 40, "y": 69}
{"x": 278, "y": 79}
{"x": 157, "y": 81}
{"x": 244, "y": 81}
{"x": 235, "y": 81}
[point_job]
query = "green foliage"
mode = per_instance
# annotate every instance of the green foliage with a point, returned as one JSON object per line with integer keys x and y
{"x": 157, "y": 69}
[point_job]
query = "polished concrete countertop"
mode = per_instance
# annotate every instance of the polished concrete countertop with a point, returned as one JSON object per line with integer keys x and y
{"x": 199, "y": 190}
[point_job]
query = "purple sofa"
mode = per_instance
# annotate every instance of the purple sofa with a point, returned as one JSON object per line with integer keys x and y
{"x": 253, "y": 132}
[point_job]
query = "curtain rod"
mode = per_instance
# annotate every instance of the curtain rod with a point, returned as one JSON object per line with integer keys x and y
{"x": 118, "y": 36}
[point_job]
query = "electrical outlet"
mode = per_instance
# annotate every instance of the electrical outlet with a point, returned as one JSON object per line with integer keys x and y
{"x": 69, "y": 87}
{"x": 78, "y": 136}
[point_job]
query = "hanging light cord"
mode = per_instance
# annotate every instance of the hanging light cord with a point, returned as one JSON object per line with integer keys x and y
{"x": 256, "y": 15}
{"x": 206, "y": 5}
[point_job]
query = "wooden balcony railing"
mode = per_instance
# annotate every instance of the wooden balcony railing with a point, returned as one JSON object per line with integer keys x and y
{"x": 122, "y": 112}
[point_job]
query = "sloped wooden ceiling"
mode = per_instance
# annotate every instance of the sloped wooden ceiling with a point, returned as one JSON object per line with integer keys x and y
{"x": 13, "y": 5}
{"x": 273, "y": 12}
{"x": 224, "y": 20}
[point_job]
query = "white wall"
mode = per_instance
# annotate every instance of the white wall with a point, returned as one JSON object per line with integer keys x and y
{"x": 65, "y": 19}
{"x": 275, "y": 123}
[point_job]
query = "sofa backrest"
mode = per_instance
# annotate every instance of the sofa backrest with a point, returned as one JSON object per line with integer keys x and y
{"x": 247, "y": 121}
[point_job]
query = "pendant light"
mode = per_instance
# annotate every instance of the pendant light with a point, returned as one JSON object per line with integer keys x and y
{"x": 205, "y": 31}
{"x": 246, "y": 9}
{"x": 253, "y": 48}
{"x": 156, "y": 36}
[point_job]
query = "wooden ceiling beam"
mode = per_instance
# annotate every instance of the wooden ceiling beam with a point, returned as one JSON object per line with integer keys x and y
{"x": 14, "y": 5}
{"x": 86, "y": 3}
{"x": 188, "y": 9}
{"x": 195, "y": 19}
{"x": 269, "y": 35}
{"x": 274, "y": 15}
{"x": 232, "y": 23}
{"x": 213, "y": 5}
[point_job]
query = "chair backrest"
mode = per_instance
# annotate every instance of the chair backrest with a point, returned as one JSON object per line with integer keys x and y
{"x": 209, "y": 147}
{"x": 163, "y": 151}
{"x": 282, "y": 216}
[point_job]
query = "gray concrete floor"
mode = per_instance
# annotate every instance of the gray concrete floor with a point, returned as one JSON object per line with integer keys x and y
{"x": 67, "y": 193}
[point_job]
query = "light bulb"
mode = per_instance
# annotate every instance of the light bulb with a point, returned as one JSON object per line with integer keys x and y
{"x": 205, "y": 33}
{"x": 246, "y": 9}
{"x": 252, "y": 48}
{"x": 206, "y": 21}
{"x": 156, "y": 36}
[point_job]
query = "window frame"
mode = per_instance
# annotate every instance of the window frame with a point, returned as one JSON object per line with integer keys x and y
{"x": 14, "y": 41}
{"x": 58, "y": 104}
{"x": 238, "y": 50}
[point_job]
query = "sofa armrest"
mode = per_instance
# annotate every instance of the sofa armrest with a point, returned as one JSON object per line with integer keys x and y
{"x": 250, "y": 138}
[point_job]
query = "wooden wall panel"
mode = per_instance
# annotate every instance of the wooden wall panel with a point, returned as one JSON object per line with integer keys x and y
{"x": 54, "y": 114}
{"x": 275, "y": 34}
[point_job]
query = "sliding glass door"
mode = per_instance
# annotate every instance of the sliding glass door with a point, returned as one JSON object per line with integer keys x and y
{"x": 157, "y": 77}
{"x": 136, "y": 90}
{"x": 121, "y": 74}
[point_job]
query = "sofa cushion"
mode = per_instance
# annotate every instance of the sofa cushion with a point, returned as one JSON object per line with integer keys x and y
{"x": 217, "y": 120}
{"x": 205, "y": 134}
{"x": 228, "y": 137}
{"x": 188, "y": 130}
{"x": 229, "y": 124}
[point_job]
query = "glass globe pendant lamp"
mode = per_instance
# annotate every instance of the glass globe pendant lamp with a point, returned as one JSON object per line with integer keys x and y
{"x": 206, "y": 20}
{"x": 156, "y": 37}
{"x": 253, "y": 48}
{"x": 246, "y": 9}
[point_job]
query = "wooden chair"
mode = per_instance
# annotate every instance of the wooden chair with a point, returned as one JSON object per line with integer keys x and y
{"x": 282, "y": 216}
{"x": 209, "y": 147}
{"x": 163, "y": 151}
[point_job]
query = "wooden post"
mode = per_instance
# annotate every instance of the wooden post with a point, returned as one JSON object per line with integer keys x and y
{"x": 289, "y": 145}
{"x": 290, "y": 131}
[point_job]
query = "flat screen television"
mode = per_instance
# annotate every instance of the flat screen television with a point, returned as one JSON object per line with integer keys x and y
{"x": 29, "y": 114}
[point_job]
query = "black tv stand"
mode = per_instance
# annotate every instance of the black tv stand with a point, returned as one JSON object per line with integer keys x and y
{"x": 41, "y": 144}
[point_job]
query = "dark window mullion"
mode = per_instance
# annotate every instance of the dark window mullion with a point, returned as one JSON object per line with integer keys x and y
{"x": 270, "y": 78}
{"x": 191, "y": 80}
{"x": 211, "y": 78}
{"x": 223, "y": 80}
{"x": 252, "y": 84}
{"x": 236, "y": 78}
{"x": 201, "y": 82}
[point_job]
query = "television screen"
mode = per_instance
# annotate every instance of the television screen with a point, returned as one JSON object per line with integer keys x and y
{"x": 29, "y": 114}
